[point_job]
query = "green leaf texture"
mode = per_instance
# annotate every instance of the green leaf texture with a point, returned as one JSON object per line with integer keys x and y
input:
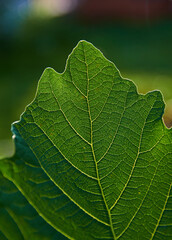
{"x": 18, "y": 219}
{"x": 93, "y": 156}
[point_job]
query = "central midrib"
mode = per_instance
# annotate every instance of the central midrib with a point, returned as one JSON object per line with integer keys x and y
{"x": 94, "y": 157}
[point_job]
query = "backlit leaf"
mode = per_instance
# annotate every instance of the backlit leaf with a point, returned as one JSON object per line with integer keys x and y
{"x": 93, "y": 156}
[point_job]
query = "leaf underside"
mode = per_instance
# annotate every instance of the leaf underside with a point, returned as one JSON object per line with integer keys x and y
{"x": 93, "y": 158}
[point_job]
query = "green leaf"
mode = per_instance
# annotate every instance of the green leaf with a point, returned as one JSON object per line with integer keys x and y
{"x": 18, "y": 219}
{"x": 93, "y": 156}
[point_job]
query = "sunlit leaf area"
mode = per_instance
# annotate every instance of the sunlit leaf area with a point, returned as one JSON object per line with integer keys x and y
{"x": 39, "y": 34}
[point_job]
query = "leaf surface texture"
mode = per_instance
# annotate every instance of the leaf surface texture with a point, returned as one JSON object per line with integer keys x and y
{"x": 93, "y": 156}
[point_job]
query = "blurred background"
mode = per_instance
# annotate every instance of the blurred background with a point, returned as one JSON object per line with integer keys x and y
{"x": 34, "y": 34}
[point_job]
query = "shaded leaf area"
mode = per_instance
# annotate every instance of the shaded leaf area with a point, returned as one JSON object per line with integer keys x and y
{"x": 93, "y": 157}
{"x": 18, "y": 219}
{"x": 46, "y": 197}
